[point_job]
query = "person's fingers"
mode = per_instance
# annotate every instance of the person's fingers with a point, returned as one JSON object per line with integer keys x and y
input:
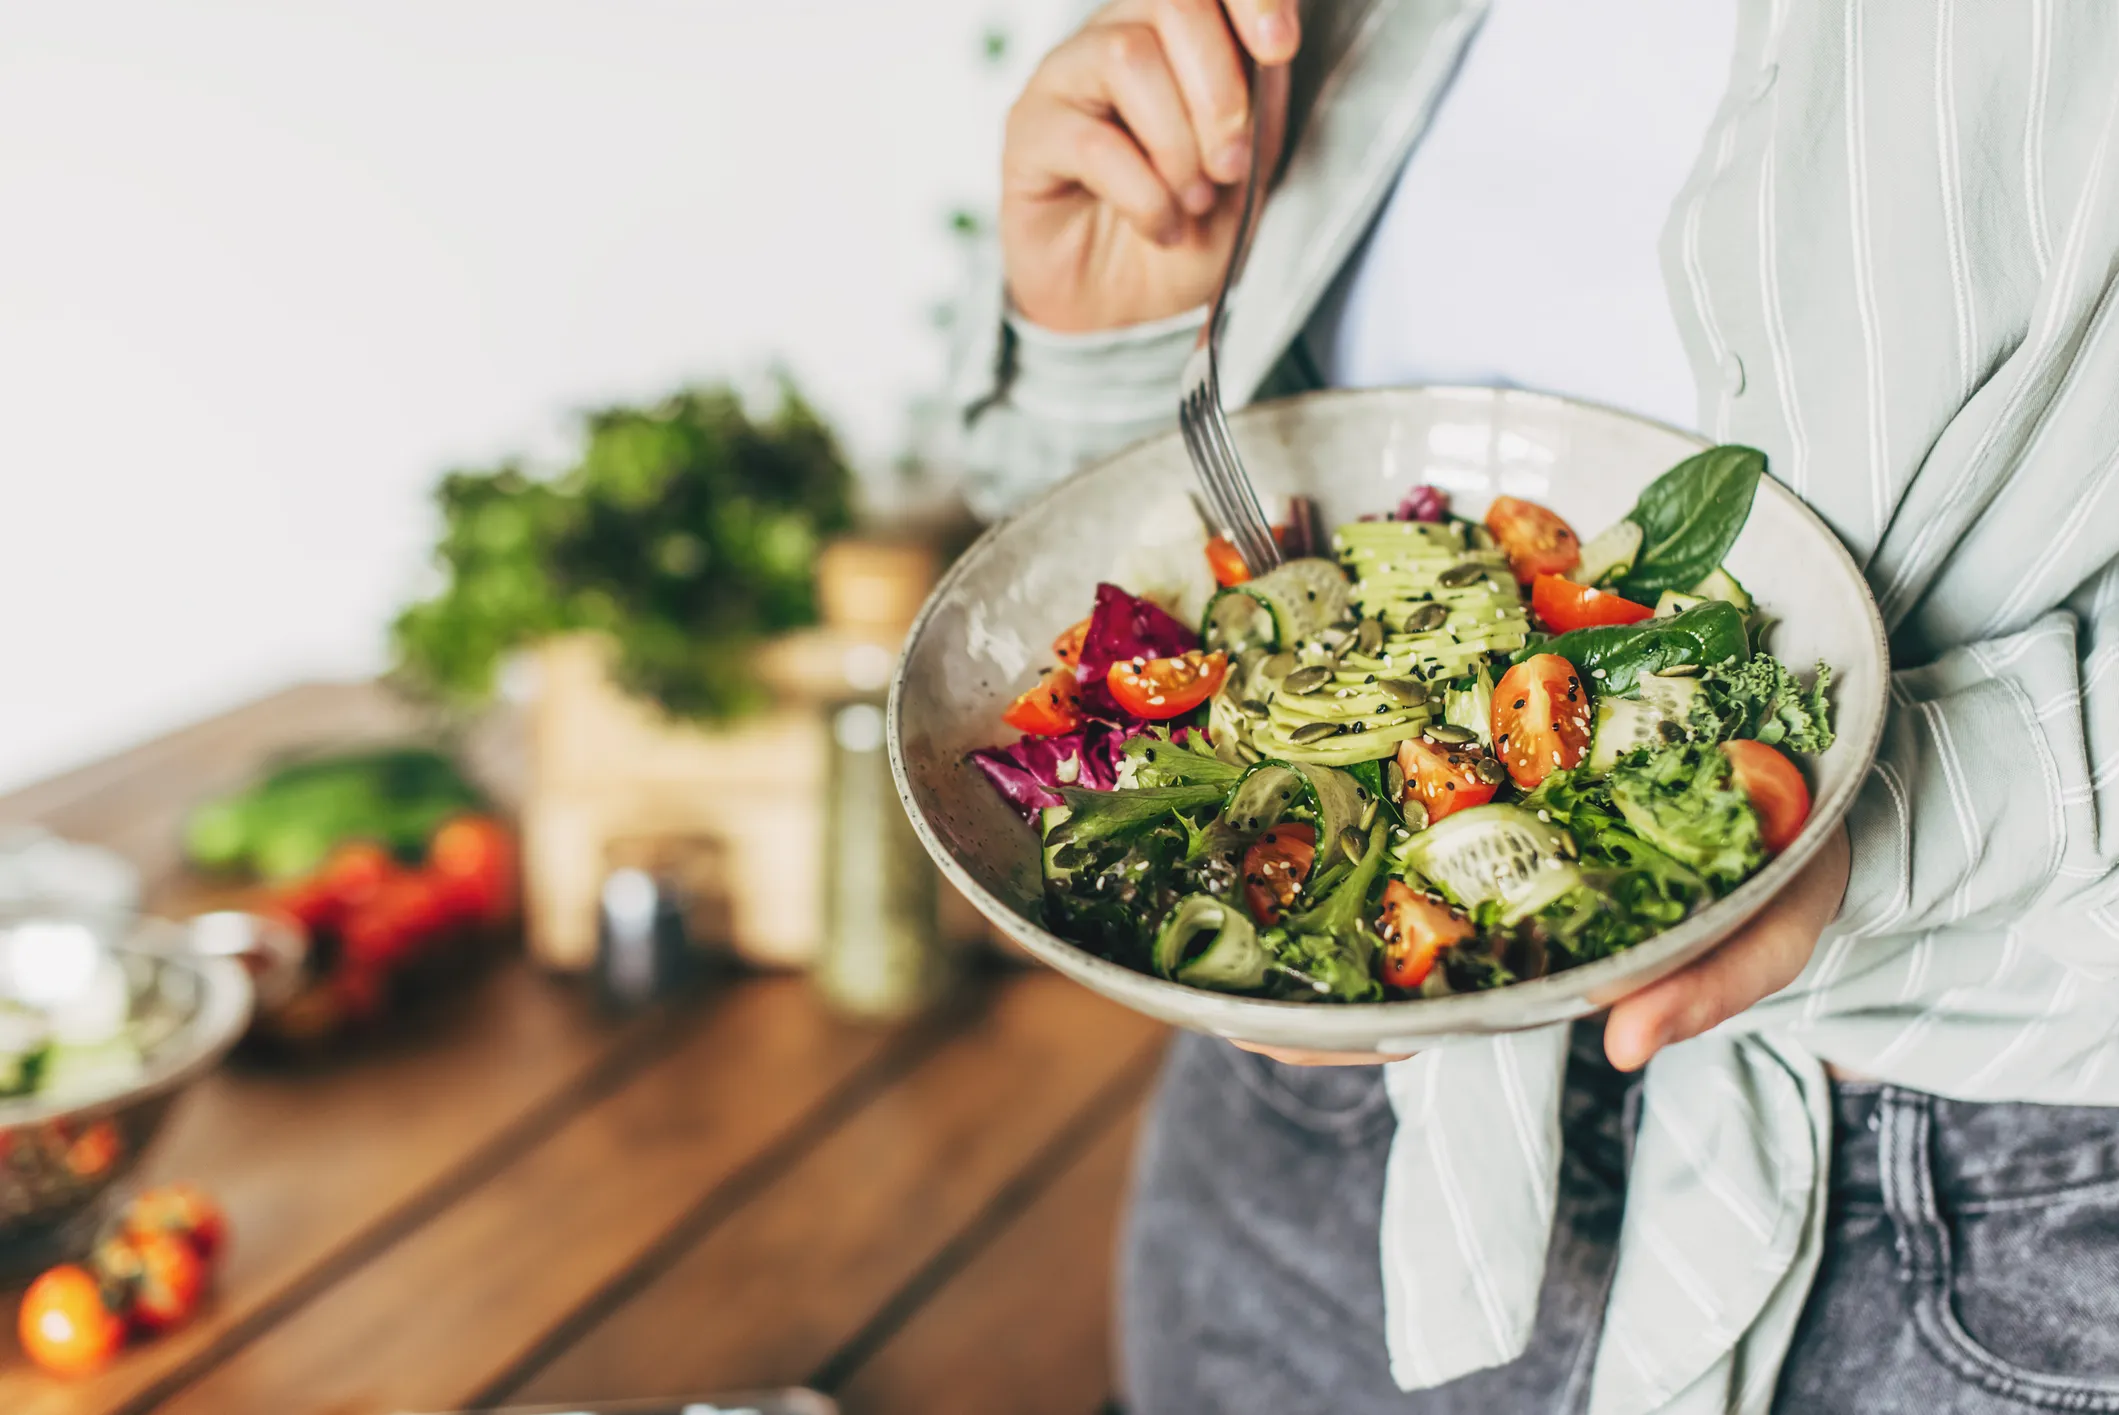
{"x": 1052, "y": 144}
{"x": 1269, "y": 29}
{"x": 1760, "y": 960}
{"x": 1130, "y": 75}
{"x": 1202, "y": 52}
{"x": 1301, "y": 1056}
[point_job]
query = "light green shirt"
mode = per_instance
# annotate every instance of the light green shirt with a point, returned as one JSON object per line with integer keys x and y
{"x": 1896, "y": 270}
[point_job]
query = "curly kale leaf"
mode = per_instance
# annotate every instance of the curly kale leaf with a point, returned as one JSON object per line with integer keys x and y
{"x": 1763, "y": 700}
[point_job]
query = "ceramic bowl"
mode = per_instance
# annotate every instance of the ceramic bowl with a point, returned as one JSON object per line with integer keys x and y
{"x": 61, "y": 1154}
{"x": 987, "y": 628}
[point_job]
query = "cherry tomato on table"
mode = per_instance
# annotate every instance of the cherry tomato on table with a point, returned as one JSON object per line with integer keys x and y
{"x": 407, "y": 913}
{"x": 1564, "y": 606}
{"x": 1415, "y": 928}
{"x": 1158, "y": 688}
{"x": 65, "y": 1326}
{"x": 1445, "y": 777}
{"x": 1049, "y": 708}
{"x": 1536, "y": 540}
{"x": 1275, "y": 867}
{"x": 1226, "y": 561}
{"x": 1776, "y": 788}
{"x": 183, "y": 1210}
{"x": 474, "y": 856}
{"x": 1541, "y": 718}
{"x": 158, "y": 1278}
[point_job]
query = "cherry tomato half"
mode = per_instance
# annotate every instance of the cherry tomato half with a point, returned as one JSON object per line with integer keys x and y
{"x": 475, "y": 857}
{"x": 65, "y": 1326}
{"x": 1048, "y": 709}
{"x": 158, "y": 1277}
{"x": 183, "y": 1210}
{"x": 1157, "y": 688}
{"x": 1226, "y": 561}
{"x": 354, "y": 871}
{"x": 1776, "y": 788}
{"x": 1067, "y": 648}
{"x": 1415, "y": 928}
{"x": 1275, "y": 867}
{"x": 1536, "y": 541}
{"x": 1541, "y": 718}
{"x": 406, "y": 914}
{"x": 1443, "y": 777}
{"x": 1564, "y": 606}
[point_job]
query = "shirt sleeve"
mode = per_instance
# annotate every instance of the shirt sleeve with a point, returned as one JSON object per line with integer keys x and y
{"x": 1037, "y": 404}
{"x": 1994, "y": 800}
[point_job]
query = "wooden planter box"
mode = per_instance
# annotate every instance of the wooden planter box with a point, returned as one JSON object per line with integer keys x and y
{"x": 735, "y": 813}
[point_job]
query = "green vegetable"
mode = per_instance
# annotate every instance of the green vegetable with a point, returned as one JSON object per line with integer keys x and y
{"x": 1630, "y": 890}
{"x": 1472, "y": 706}
{"x": 1330, "y": 947}
{"x": 1496, "y": 852}
{"x": 286, "y": 824}
{"x": 1723, "y": 585}
{"x": 1092, "y": 816}
{"x": 1662, "y": 713}
{"x": 1608, "y": 555}
{"x": 1762, "y": 699}
{"x": 1685, "y": 801}
{"x": 1689, "y": 517}
{"x": 1209, "y": 943}
{"x": 1292, "y": 601}
{"x": 1152, "y": 759}
{"x": 687, "y": 532}
{"x": 1614, "y": 658}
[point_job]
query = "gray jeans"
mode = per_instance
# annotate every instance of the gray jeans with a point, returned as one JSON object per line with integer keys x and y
{"x": 1971, "y": 1261}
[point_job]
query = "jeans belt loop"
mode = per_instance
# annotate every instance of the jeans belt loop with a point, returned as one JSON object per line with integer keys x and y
{"x": 1905, "y": 1160}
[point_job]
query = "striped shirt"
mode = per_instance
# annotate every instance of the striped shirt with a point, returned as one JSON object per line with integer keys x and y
{"x": 1895, "y": 267}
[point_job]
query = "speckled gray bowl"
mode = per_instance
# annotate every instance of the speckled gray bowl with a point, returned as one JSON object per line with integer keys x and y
{"x": 1128, "y": 519}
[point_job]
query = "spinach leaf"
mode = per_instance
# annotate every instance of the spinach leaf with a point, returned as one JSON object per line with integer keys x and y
{"x": 1705, "y": 635}
{"x": 1689, "y": 517}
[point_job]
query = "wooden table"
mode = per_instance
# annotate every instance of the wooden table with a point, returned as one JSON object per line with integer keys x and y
{"x": 530, "y": 1203}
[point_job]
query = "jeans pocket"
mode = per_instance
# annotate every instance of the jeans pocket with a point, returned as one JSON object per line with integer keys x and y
{"x": 2025, "y": 1300}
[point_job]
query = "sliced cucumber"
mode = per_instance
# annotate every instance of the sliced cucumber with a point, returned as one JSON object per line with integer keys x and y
{"x": 1206, "y": 943}
{"x": 1624, "y": 724}
{"x": 1722, "y": 585}
{"x": 1496, "y": 852}
{"x": 1278, "y": 608}
{"x": 1608, "y": 555}
{"x": 1671, "y": 604}
{"x": 1473, "y": 708}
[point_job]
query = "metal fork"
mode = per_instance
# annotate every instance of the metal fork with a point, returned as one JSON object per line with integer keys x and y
{"x": 1230, "y": 497}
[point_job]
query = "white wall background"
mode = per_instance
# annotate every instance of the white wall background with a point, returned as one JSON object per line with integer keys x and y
{"x": 267, "y": 266}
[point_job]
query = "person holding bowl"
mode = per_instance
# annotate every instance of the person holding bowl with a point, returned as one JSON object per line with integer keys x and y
{"x": 1865, "y": 1155}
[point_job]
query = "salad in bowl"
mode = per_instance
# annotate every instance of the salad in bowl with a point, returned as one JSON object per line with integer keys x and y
{"x": 1429, "y": 755}
{"x": 1433, "y": 882}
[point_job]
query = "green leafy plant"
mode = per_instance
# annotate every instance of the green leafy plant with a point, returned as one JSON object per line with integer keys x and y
{"x": 686, "y": 534}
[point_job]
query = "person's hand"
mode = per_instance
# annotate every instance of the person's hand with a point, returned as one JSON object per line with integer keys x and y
{"x": 1122, "y": 166}
{"x": 1749, "y": 967}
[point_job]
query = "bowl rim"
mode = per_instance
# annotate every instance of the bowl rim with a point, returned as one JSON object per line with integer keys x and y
{"x": 1514, "y": 1006}
{"x": 196, "y": 1047}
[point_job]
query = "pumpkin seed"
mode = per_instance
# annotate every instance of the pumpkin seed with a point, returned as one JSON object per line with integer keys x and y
{"x": 1394, "y": 778}
{"x": 1368, "y": 815}
{"x": 1415, "y": 815}
{"x": 1679, "y": 670}
{"x": 1307, "y": 680}
{"x": 1369, "y": 637}
{"x": 1427, "y": 618}
{"x": 1354, "y": 843}
{"x": 1670, "y": 731}
{"x": 1490, "y": 771}
{"x": 1280, "y": 665}
{"x": 1403, "y": 691}
{"x": 1254, "y": 707}
{"x": 1464, "y": 572}
{"x": 1313, "y": 732}
{"x": 1451, "y": 733}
